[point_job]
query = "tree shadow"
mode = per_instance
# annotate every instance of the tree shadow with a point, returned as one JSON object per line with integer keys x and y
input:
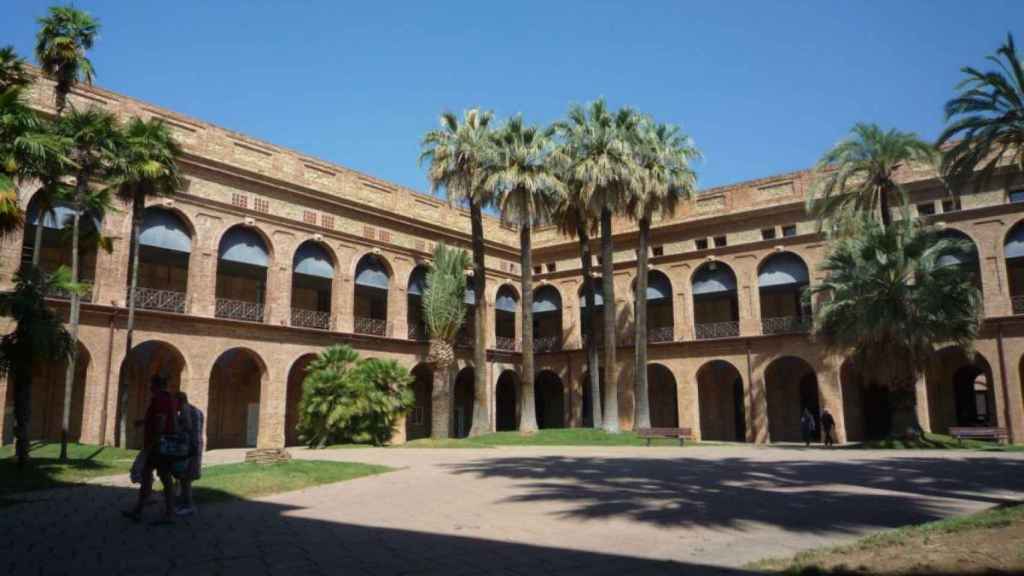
{"x": 796, "y": 496}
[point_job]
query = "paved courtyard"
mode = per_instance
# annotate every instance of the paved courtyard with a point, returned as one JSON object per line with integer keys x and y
{"x": 520, "y": 511}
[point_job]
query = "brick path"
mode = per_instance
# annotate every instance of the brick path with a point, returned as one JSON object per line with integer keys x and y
{"x": 519, "y": 511}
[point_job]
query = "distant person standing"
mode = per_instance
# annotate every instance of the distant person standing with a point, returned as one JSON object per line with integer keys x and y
{"x": 828, "y": 425}
{"x": 807, "y": 426}
{"x": 194, "y": 419}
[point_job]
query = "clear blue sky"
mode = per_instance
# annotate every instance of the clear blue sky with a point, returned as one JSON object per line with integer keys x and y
{"x": 762, "y": 87}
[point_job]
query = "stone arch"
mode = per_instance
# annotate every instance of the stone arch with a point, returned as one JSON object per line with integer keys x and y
{"x": 547, "y": 318}
{"x": 506, "y": 402}
{"x": 663, "y": 396}
{"x": 419, "y": 418}
{"x": 373, "y": 279}
{"x": 506, "y": 311}
{"x": 549, "y": 396}
{"x": 314, "y": 268}
{"x": 146, "y": 360}
{"x": 245, "y": 256}
{"x": 415, "y": 285}
{"x": 781, "y": 279}
{"x": 961, "y": 390}
{"x": 293, "y": 397}
{"x": 715, "y": 301}
{"x": 971, "y": 261}
{"x": 166, "y": 244}
{"x": 233, "y": 413}
{"x": 659, "y": 301}
{"x": 791, "y": 386}
{"x": 720, "y": 400}
{"x": 55, "y": 250}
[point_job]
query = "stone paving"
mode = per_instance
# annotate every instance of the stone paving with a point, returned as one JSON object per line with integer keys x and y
{"x": 518, "y": 511}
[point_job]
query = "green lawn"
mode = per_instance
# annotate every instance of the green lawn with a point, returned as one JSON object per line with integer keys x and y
{"x": 550, "y": 437}
{"x": 248, "y": 480}
{"x": 44, "y": 470}
{"x": 935, "y": 442}
{"x": 990, "y": 542}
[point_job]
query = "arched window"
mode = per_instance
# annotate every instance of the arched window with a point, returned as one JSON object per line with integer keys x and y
{"x": 312, "y": 278}
{"x": 715, "y": 306}
{"x": 547, "y": 319}
{"x": 1013, "y": 249}
{"x": 55, "y": 242}
{"x": 659, "y": 307}
{"x": 585, "y": 326}
{"x": 242, "y": 265}
{"x": 781, "y": 282}
{"x": 505, "y": 305}
{"x": 371, "y": 296}
{"x": 165, "y": 245}
{"x": 414, "y": 305}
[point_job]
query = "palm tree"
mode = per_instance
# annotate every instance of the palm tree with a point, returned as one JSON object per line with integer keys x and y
{"x": 12, "y": 69}
{"x": 858, "y": 174}
{"x": 39, "y": 335}
{"x": 889, "y": 300}
{"x": 598, "y": 146}
{"x": 456, "y": 154}
{"x": 664, "y": 156}
{"x": 63, "y": 38}
{"x": 146, "y": 167}
{"x": 444, "y": 311}
{"x": 522, "y": 181}
{"x": 986, "y": 119}
{"x": 96, "y": 141}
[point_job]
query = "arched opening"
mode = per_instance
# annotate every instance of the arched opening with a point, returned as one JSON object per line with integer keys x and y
{"x": 720, "y": 402}
{"x": 312, "y": 277}
{"x": 597, "y": 332}
{"x": 371, "y": 296}
{"x": 55, "y": 244}
{"x": 507, "y": 401}
{"x": 146, "y": 360}
{"x": 792, "y": 387}
{"x": 966, "y": 259}
{"x": 165, "y": 244}
{"x": 418, "y": 420}
{"x": 549, "y": 398}
{"x": 781, "y": 282}
{"x": 588, "y": 398}
{"x": 462, "y": 415}
{"x": 715, "y": 306}
{"x": 233, "y": 415}
{"x": 467, "y": 332}
{"x": 661, "y": 386}
{"x": 1013, "y": 251}
{"x": 547, "y": 319}
{"x": 867, "y": 408}
{"x": 660, "y": 322}
{"x": 242, "y": 275}
{"x": 960, "y": 391}
{"x": 296, "y": 377}
{"x": 505, "y": 305}
{"x": 48, "y": 398}
{"x": 414, "y": 305}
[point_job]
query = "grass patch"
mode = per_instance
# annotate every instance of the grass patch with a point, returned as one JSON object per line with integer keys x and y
{"x": 44, "y": 470}
{"x": 549, "y": 437}
{"x": 249, "y": 480}
{"x": 935, "y": 442}
{"x": 987, "y": 542}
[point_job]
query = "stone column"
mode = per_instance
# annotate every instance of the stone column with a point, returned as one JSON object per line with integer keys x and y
{"x": 921, "y": 396}
{"x": 273, "y": 397}
{"x": 755, "y": 398}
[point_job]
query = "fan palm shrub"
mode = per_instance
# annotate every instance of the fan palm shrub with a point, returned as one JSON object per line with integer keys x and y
{"x": 889, "y": 301}
{"x": 444, "y": 312}
{"x": 455, "y": 155}
{"x": 64, "y": 36}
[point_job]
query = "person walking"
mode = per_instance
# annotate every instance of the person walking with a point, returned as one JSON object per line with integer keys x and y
{"x": 807, "y": 427}
{"x": 828, "y": 425}
{"x": 193, "y": 417}
{"x": 160, "y": 419}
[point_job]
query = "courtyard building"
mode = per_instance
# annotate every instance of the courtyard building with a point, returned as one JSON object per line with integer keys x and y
{"x": 268, "y": 256}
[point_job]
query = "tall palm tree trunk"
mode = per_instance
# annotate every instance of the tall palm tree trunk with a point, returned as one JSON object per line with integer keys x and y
{"x": 593, "y": 363}
{"x": 528, "y": 409}
{"x": 883, "y": 204}
{"x": 441, "y": 399}
{"x": 22, "y": 375}
{"x": 138, "y": 203}
{"x": 69, "y": 378}
{"x": 611, "y": 385}
{"x": 481, "y": 400}
{"x": 643, "y": 406}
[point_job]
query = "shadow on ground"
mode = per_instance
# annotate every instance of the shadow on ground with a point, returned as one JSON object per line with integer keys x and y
{"x": 798, "y": 495}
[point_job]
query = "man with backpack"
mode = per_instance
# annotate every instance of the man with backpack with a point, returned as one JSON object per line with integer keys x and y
{"x": 159, "y": 422}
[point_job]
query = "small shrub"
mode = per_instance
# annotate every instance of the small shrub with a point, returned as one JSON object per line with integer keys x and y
{"x": 349, "y": 399}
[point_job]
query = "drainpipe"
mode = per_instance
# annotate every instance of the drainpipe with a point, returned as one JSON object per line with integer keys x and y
{"x": 106, "y": 387}
{"x": 1002, "y": 380}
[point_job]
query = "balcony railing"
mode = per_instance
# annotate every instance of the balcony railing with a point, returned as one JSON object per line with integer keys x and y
{"x": 547, "y": 344}
{"x": 60, "y": 294}
{"x": 506, "y": 343}
{"x": 785, "y": 325}
{"x": 311, "y": 319}
{"x": 371, "y": 326}
{"x": 717, "y": 330}
{"x": 1018, "y": 303}
{"x": 163, "y": 300}
{"x": 660, "y": 334}
{"x": 418, "y": 332}
{"x": 239, "y": 310}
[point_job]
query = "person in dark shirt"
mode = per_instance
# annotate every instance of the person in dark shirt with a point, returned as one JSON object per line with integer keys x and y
{"x": 160, "y": 419}
{"x": 828, "y": 425}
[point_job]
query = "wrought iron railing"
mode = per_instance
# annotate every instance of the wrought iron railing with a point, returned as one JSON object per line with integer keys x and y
{"x": 506, "y": 343}
{"x": 547, "y": 344}
{"x": 418, "y": 332}
{"x": 163, "y": 300}
{"x": 785, "y": 325}
{"x": 1018, "y": 303}
{"x": 239, "y": 310}
{"x": 371, "y": 326}
{"x": 660, "y": 334}
{"x": 717, "y": 330}
{"x": 311, "y": 319}
{"x": 61, "y": 294}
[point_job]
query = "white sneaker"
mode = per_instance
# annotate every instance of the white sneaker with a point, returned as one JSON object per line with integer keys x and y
{"x": 185, "y": 511}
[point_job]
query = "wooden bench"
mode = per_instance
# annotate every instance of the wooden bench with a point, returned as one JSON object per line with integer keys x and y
{"x": 979, "y": 433}
{"x": 680, "y": 433}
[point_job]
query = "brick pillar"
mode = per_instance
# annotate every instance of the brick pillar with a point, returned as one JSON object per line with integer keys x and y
{"x": 279, "y": 293}
{"x": 687, "y": 398}
{"x": 755, "y": 396}
{"x": 343, "y": 290}
{"x": 112, "y": 268}
{"x": 202, "y": 281}
{"x": 273, "y": 398}
{"x": 921, "y": 394}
